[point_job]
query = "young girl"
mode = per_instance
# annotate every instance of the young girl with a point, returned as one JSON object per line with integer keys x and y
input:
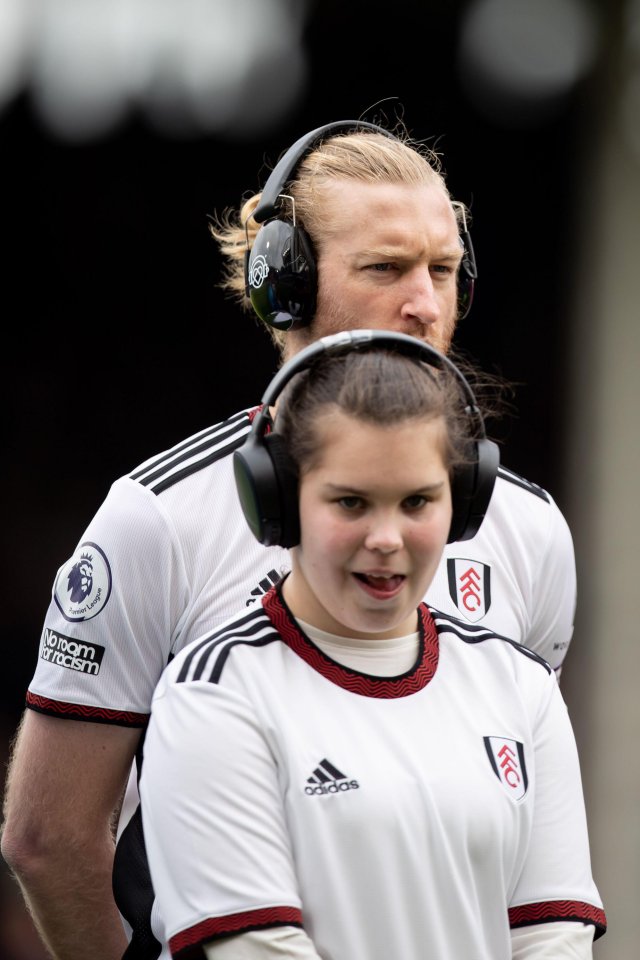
{"x": 342, "y": 772}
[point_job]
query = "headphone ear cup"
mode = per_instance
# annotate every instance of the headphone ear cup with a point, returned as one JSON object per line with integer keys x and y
{"x": 466, "y": 286}
{"x": 281, "y": 275}
{"x": 471, "y": 490}
{"x": 267, "y": 483}
{"x": 287, "y": 479}
{"x": 467, "y": 276}
{"x": 257, "y": 488}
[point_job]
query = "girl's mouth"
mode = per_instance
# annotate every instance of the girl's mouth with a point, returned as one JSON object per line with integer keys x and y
{"x": 381, "y": 586}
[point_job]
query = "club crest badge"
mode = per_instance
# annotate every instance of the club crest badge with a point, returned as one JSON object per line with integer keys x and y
{"x": 508, "y": 763}
{"x": 469, "y": 587}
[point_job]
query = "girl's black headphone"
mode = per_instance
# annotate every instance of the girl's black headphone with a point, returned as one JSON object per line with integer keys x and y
{"x": 280, "y": 268}
{"x": 267, "y": 480}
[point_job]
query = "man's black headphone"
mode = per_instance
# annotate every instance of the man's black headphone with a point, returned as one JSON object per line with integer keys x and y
{"x": 280, "y": 268}
{"x": 267, "y": 479}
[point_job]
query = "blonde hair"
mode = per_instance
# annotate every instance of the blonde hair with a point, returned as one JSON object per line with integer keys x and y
{"x": 367, "y": 157}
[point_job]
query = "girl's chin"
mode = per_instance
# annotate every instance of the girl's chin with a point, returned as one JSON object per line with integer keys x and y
{"x": 376, "y": 624}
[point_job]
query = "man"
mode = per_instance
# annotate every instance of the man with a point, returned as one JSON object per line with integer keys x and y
{"x": 355, "y": 229}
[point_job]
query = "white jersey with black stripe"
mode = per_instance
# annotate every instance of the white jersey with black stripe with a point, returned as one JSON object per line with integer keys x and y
{"x": 411, "y": 816}
{"x": 517, "y": 576}
{"x": 169, "y": 556}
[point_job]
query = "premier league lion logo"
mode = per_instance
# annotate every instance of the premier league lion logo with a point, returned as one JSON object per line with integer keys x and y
{"x": 83, "y": 584}
{"x": 80, "y": 579}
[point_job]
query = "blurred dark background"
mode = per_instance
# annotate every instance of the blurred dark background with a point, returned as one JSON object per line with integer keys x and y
{"x": 119, "y": 341}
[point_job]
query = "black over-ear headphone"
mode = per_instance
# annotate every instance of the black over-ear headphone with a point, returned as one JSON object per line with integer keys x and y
{"x": 280, "y": 268}
{"x": 267, "y": 479}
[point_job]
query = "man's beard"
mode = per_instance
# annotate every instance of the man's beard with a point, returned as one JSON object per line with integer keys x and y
{"x": 333, "y": 318}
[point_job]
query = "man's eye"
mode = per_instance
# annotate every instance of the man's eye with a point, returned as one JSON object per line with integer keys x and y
{"x": 380, "y": 267}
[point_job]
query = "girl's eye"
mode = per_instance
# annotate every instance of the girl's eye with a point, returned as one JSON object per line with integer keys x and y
{"x": 350, "y": 503}
{"x": 415, "y": 502}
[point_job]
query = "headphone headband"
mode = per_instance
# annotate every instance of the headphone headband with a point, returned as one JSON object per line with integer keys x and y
{"x": 267, "y": 479}
{"x": 287, "y": 165}
{"x": 347, "y": 340}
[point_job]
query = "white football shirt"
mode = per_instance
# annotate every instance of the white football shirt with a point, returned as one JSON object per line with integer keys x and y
{"x": 418, "y": 815}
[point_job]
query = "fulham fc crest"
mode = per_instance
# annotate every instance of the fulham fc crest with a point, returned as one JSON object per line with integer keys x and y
{"x": 508, "y": 764}
{"x": 469, "y": 587}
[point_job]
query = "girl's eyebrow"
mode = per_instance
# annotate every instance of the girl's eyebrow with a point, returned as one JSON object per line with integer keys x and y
{"x": 336, "y": 488}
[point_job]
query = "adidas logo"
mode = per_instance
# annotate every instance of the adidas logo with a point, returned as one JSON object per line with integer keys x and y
{"x": 263, "y": 587}
{"x": 328, "y": 779}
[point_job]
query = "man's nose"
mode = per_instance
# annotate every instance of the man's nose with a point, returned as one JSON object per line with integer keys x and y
{"x": 420, "y": 300}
